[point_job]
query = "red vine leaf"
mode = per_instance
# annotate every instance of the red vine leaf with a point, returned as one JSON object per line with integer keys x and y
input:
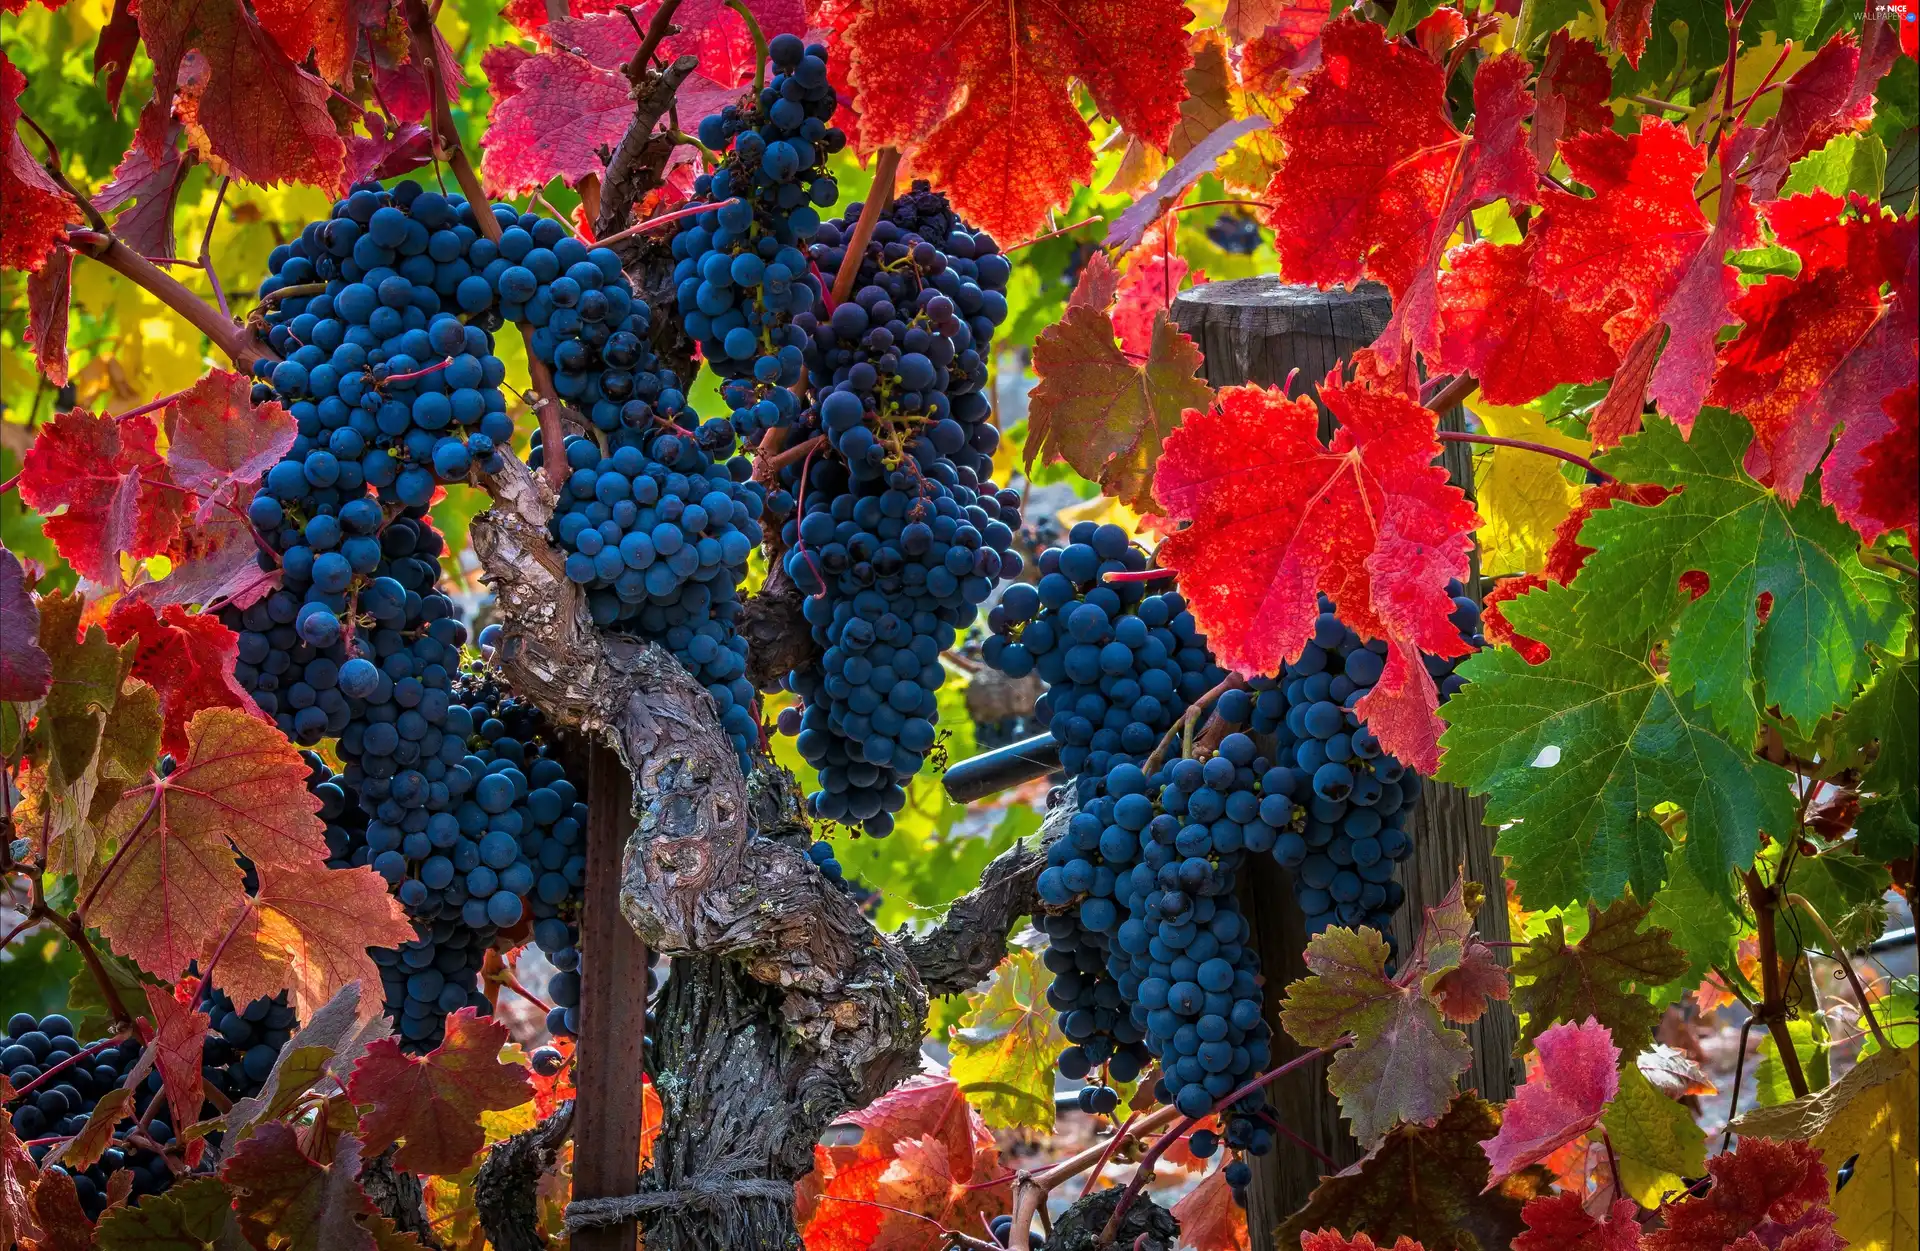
{"x": 330, "y": 29}
{"x": 1702, "y": 305}
{"x": 390, "y": 151}
{"x": 562, "y": 110}
{"x": 175, "y": 888}
{"x": 1372, "y": 213}
{"x": 1145, "y": 298}
{"x": 1816, "y": 104}
{"x": 308, "y": 932}
{"x": 1877, "y": 484}
{"x": 187, "y": 657}
{"x": 1765, "y": 1193}
{"x": 37, "y": 211}
{"x": 56, "y": 1210}
{"x": 402, "y": 87}
{"x": 180, "y": 1038}
{"x": 1817, "y": 348}
{"x": 49, "y": 292}
{"x": 1278, "y": 517}
{"x": 1102, "y": 413}
{"x": 1334, "y": 1240}
{"x": 1210, "y": 1219}
{"x": 214, "y": 561}
{"x": 1561, "y": 1223}
{"x": 985, "y": 94}
{"x": 432, "y": 1105}
{"x": 26, "y": 671}
{"x": 284, "y": 1199}
{"x": 1636, "y": 234}
{"x": 1439, "y": 31}
{"x": 1571, "y": 96}
{"x": 1629, "y": 22}
{"x": 109, "y": 476}
{"x": 217, "y": 437}
{"x": 1098, "y": 285}
{"x": 151, "y": 184}
{"x": 713, "y": 32}
{"x": 18, "y": 1173}
{"x": 1578, "y": 1075}
{"x": 1277, "y": 22}
{"x": 113, "y": 52}
{"x": 243, "y": 102}
{"x": 1196, "y": 163}
{"x": 1510, "y": 333}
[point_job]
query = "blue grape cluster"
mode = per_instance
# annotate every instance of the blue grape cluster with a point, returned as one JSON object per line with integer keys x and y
{"x": 1170, "y": 847}
{"x": 1120, "y": 662}
{"x": 658, "y": 527}
{"x": 1235, "y": 233}
{"x": 390, "y": 370}
{"x": 908, "y": 354}
{"x": 239, "y": 1052}
{"x": 894, "y": 563}
{"x": 741, "y": 270}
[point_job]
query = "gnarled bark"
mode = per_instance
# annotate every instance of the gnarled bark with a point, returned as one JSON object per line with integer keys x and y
{"x": 506, "y": 1188}
{"x": 785, "y": 1007}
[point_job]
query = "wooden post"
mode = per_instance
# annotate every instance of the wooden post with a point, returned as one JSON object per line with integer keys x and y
{"x": 613, "y": 1011}
{"x": 1261, "y": 330}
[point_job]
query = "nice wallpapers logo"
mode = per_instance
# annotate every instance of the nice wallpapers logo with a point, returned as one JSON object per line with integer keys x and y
{"x": 1902, "y": 13}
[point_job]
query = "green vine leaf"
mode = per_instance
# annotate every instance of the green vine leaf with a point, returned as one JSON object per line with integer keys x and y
{"x": 1888, "y": 711}
{"x": 1581, "y": 757}
{"x": 1004, "y": 1047}
{"x": 1788, "y": 612}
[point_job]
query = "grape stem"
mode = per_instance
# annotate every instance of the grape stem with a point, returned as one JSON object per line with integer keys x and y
{"x": 885, "y": 167}
{"x": 799, "y": 451}
{"x": 1145, "y": 1170}
{"x": 1139, "y": 575}
{"x": 1839, "y": 953}
{"x": 692, "y": 210}
{"x": 1232, "y": 681}
{"x": 760, "y": 53}
{"x": 1558, "y": 453}
{"x": 229, "y": 337}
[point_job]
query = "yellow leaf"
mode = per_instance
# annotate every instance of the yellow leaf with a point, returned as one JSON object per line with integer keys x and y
{"x": 1004, "y": 1048}
{"x": 1770, "y": 1076}
{"x": 1522, "y": 494}
{"x": 1866, "y": 1116}
{"x": 1654, "y": 1138}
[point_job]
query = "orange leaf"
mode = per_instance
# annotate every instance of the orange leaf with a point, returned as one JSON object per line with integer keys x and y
{"x": 308, "y": 932}
{"x": 434, "y": 1104}
{"x": 178, "y": 1043}
{"x": 1209, "y": 1218}
{"x": 174, "y": 888}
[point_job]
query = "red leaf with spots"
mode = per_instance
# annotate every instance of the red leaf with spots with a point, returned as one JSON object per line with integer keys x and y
{"x": 330, "y": 29}
{"x": 1878, "y": 484}
{"x": 1273, "y": 20}
{"x": 1817, "y": 348}
{"x": 1290, "y": 43}
{"x": 1629, "y": 22}
{"x": 1439, "y": 31}
{"x": 985, "y": 97}
{"x": 150, "y": 185}
{"x": 1571, "y": 97}
{"x": 431, "y": 1105}
{"x": 1372, "y": 212}
{"x": 113, "y": 51}
{"x": 402, "y": 88}
{"x": 1763, "y": 1193}
{"x": 1277, "y": 517}
{"x": 562, "y": 110}
{"x": 1514, "y": 337}
{"x": 110, "y": 478}
{"x": 1701, "y": 306}
{"x": 175, "y": 888}
{"x": 1146, "y": 292}
{"x": 49, "y": 293}
{"x": 36, "y": 210}
{"x": 187, "y": 657}
{"x": 180, "y": 1037}
{"x": 1578, "y": 1075}
{"x": 1561, "y": 1223}
{"x": 1635, "y": 236}
{"x": 219, "y": 440}
{"x": 1816, "y": 104}
{"x": 243, "y": 102}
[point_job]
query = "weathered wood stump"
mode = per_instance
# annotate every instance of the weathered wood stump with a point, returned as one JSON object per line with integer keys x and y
{"x": 1262, "y": 330}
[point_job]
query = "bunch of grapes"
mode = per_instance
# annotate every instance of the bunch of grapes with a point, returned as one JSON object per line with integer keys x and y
{"x": 1120, "y": 663}
{"x": 894, "y": 565}
{"x": 389, "y": 366}
{"x": 907, "y": 355}
{"x": 741, "y": 270}
{"x": 1236, "y": 233}
{"x": 1358, "y": 801}
{"x": 658, "y": 527}
{"x": 53, "y": 1102}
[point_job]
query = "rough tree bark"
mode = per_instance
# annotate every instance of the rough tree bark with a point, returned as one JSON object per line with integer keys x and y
{"x": 785, "y": 1007}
